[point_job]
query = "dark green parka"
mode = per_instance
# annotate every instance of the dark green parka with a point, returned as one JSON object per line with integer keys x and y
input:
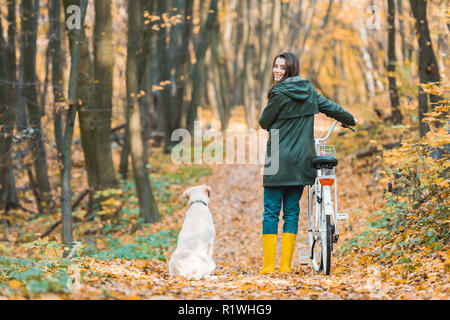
{"x": 291, "y": 109}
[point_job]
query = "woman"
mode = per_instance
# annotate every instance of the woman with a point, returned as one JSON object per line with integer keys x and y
{"x": 292, "y": 104}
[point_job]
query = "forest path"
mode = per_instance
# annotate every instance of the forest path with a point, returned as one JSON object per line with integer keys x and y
{"x": 237, "y": 206}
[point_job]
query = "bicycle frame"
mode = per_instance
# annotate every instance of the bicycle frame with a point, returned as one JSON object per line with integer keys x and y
{"x": 318, "y": 187}
{"x": 322, "y": 201}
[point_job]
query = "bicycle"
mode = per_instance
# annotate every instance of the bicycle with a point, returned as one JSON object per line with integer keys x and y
{"x": 322, "y": 217}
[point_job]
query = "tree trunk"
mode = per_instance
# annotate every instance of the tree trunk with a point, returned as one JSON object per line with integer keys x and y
{"x": 238, "y": 61}
{"x": 197, "y": 74}
{"x": 146, "y": 35}
{"x": 94, "y": 93}
{"x": 147, "y": 205}
{"x": 57, "y": 76}
{"x": 221, "y": 76}
{"x": 442, "y": 44}
{"x": 428, "y": 67}
{"x": 247, "y": 83}
{"x": 20, "y": 100}
{"x": 269, "y": 50}
{"x": 66, "y": 150}
{"x": 164, "y": 75}
{"x": 29, "y": 31}
{"x": 103, "y": 86}
{"x": 7, "y": 119}
{"x": 86, "y": 117}
{"x": 181, "y": 64}
{"x": 144, "y": 55}
{"x": 12, "y": 199}
{"x": 401, "y": 21}
{"x": 370, "y": 71}
{"x": 396, "y": 114}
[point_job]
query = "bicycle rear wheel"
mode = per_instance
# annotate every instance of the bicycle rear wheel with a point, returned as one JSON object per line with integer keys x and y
{"x": 327, "y": 229}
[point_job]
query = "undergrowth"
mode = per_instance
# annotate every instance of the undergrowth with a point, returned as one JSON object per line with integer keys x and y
{"x": 413, "y": 225}
{"x": 30, "y": 267}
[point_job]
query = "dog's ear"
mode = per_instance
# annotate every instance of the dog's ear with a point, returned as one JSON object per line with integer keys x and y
{"x": 208, "y": 190}
{"x": 187, "y": 193}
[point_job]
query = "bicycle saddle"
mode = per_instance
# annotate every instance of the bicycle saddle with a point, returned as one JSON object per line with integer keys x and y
{"x": 324, "y": 162}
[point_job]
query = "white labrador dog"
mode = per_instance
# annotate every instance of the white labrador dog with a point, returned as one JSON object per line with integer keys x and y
{"x": 193, "y": 256}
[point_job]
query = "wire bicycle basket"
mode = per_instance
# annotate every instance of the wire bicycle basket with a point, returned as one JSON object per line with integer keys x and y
{"x": 326, "y": 150}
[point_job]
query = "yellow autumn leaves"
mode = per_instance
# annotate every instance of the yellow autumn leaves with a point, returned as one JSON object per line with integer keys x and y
{"x": 163, "y": 21}
{"x": 14, "y": 284}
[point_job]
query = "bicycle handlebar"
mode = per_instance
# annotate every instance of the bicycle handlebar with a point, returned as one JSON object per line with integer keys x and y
{"x": 331, "y": 130}
{"x": 347, "y": 127}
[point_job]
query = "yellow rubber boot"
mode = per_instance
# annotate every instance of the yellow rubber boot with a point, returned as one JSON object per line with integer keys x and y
{"x": 269, "y": 250}
{"x": 287, "y": 248}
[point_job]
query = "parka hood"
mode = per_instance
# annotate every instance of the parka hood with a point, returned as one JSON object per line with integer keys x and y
{"x": 294, "y": 87}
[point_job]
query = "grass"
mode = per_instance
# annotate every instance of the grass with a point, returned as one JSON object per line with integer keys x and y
{"x": 151, "y": 247}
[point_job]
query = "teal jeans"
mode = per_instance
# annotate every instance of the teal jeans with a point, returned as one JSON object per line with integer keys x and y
{"x": 274, "y": 197}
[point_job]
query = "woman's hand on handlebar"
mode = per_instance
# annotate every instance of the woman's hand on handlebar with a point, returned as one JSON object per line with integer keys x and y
{"x": 348, "y": 126}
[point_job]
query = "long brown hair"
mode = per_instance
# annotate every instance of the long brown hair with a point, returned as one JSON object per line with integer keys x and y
{"x": 292, "y": 67}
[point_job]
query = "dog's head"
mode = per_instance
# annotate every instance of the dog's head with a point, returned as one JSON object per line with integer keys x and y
{"x": 202, "y": 192}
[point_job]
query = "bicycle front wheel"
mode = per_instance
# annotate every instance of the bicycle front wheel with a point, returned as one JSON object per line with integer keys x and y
{"x": 315, "y": 233}
{"x": 326, "y": 245}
